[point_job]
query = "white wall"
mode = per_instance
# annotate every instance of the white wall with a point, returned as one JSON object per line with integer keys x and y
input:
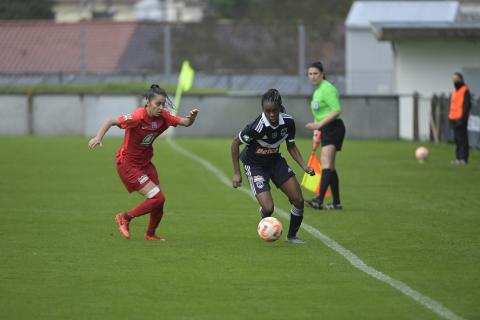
{"x": 426, "y": 66}
{"x": 99, "y": 108}
{"x": 76, "y": 12}
{"x": 366, "y": 117}
{"x": 14, "y": 115}
{"x": 55, "y": 114}
{"x": 369, "y": 63}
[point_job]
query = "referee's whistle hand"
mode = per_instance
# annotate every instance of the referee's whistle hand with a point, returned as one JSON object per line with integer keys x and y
{"x": 310, "y": 171}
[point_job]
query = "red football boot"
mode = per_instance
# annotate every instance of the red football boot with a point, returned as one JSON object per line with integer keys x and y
{"x": 123, "y": 225}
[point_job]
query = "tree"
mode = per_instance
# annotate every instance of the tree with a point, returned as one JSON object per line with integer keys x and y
{"x": 279, "y": 10}
{"x": 26, "y": 9}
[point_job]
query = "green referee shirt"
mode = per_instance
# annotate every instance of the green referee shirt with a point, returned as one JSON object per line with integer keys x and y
{"x": 324, "y": 101}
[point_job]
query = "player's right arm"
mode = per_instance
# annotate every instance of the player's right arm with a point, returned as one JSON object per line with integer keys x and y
{"x": 97, "y": 140}
{"x": 237, "y": 176}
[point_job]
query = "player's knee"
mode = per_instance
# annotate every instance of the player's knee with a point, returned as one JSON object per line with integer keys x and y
{"x": 326, "y": 162}
{"x": 326, "y": 165}
{"x": 156, "y": 195}
{"x": 297, "y": 201}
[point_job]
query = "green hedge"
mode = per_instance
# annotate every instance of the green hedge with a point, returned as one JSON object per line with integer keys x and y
{"x": 98, "y": 88}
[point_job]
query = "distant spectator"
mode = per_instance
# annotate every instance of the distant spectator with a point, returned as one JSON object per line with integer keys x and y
{"x": 460, "y": 105}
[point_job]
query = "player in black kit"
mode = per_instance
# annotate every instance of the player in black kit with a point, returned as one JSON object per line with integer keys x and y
{"x": 262, "y": 160}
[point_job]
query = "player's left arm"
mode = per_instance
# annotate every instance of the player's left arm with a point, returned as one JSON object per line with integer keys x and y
{"x": 293, "y": 150}
{"x": 188, "y": 120}
{"x": 297, "y": 156}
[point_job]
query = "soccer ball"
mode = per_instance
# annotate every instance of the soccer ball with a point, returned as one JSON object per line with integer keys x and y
{"x": 421, "y": 154}
{"x": 269, "y": 229}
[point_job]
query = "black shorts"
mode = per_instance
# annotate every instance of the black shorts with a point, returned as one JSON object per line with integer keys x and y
{"x": 259, "y": 176}
{"x": 333, "y": 133}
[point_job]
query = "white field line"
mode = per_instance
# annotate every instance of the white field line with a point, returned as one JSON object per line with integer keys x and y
{"x": 427, "y": 302}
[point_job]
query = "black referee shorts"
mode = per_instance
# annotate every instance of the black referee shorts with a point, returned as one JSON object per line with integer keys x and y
{"x": 333, "y": 133}
{"x": 259, "y": 175}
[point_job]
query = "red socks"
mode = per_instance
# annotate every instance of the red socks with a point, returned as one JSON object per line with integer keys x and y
{"x": 155, "y": 218}
{"x": 146, "y": 206}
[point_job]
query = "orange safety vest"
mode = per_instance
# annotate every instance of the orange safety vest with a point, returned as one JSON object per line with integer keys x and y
{"x": 456, "y": 103}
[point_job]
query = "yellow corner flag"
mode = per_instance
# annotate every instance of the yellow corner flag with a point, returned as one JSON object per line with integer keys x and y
{"x": 312, "y": 183}
{"x": 185, "y": 81}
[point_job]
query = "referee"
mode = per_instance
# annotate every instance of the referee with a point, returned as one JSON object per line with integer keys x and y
{"x": 326, "y": 111}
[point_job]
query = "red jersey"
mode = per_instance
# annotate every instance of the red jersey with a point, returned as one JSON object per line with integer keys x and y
{"x": 140, "y": 132}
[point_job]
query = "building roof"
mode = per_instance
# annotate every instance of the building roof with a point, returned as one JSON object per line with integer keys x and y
{"x": 42, "y": 46}
{"x": 394, "y": 31}
{"x": 363, "y": 13}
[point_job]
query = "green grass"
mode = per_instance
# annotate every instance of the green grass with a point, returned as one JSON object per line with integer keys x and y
{"x": 98, "y": 88}
{"x": 61, "y": 256}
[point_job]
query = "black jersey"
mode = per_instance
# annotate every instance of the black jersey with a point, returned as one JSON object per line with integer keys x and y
{"x": 263, "y": 141}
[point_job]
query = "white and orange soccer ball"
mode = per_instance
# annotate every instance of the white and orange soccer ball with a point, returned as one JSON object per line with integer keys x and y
{"x": 421, "y": 154}
{"x": 269, "y": 229}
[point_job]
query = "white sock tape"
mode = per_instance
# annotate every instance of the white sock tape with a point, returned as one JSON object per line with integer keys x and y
{"x": 152, "y": 193}
{"x": 296, "y": 212}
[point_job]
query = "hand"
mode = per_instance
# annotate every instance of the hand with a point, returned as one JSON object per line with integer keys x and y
{"x": 237, "y": 180}
{"x": 310, "y": 171}
{"x": 95, "y": 141}
{"x": 312, "y": 126}
{"x": 193, "y": 114}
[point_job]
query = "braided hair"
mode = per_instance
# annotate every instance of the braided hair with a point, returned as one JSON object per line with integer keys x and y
{"x": 273, "y": 96}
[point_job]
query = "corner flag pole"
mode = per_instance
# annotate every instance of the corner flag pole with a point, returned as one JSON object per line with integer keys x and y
{"x": 185, "y": 81}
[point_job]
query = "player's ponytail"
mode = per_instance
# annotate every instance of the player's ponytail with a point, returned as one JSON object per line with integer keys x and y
{"x": 273, "y": 96}
{"x": 154, "y": 91}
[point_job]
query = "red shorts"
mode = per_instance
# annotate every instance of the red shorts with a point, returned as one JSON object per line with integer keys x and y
{"x": 135, "y": 178}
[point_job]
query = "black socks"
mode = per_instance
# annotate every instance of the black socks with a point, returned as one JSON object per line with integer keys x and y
{"x": 329, "y": 178}
{"x": 335, "y": 187}
{"x": 296, "y": 218}
{"x": 326, "y": 177}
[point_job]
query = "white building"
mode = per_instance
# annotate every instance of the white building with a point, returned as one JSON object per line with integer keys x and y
{"x": 370, "y": 62}
{"x": 405, "y": 47}
{"x": 129, "y": 10}
{"x": 170, "y": 10}
{"x": 79, "y": 10}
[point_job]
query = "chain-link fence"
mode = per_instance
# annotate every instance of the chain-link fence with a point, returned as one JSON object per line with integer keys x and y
{"x": 436, "y": 116}
{"x": 232, "y": 55}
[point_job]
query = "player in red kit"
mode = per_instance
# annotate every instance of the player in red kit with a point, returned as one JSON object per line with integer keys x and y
{"x": 133, "y": 159}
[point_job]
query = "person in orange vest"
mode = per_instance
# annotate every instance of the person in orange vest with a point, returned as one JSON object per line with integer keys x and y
{"x": 460, "y": 105}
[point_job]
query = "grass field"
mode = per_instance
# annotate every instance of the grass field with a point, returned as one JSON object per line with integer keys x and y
{"x": 61, "y": 256}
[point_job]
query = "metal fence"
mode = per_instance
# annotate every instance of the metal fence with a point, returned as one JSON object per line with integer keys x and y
{"x": 430, "y": 120}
